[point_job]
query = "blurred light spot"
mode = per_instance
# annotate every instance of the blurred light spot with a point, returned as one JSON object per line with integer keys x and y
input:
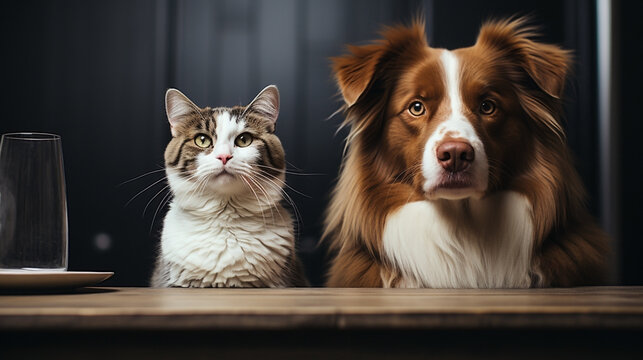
{"x": 102, "y": 242}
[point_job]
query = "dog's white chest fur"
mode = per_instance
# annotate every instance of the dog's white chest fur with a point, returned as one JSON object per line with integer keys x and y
{"x": 484, "y": 243}
{"x": 229, "y": 249}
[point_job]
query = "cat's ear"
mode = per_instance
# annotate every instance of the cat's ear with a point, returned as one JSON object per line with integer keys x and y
{"x": 266, "y": 104}
{"x": 177, "y": 107}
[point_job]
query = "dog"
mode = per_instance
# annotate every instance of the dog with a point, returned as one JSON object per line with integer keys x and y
{"x": 456, "y": 172}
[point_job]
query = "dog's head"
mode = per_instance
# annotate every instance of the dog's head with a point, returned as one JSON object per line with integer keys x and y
{"x": 453, "y": 124}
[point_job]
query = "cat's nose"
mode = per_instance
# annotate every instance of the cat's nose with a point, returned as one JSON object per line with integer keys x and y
{"x": 224, "y": 158}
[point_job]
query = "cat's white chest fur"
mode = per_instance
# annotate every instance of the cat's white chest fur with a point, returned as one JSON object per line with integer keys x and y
{"x": 226, "y": 246}
{"x": 482, "y": 243}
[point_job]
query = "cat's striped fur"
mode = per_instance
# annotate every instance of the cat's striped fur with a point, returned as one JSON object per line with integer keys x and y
{"x": 226, "y": 226}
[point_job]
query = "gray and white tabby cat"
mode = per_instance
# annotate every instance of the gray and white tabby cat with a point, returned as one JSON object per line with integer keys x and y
{"x": 226, "y": 226}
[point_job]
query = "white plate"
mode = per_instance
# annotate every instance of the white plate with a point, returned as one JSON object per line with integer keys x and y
{"x": 25, "y": 279}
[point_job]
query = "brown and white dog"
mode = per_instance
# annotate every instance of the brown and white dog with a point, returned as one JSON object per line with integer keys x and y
{"x": 457, "y": 174}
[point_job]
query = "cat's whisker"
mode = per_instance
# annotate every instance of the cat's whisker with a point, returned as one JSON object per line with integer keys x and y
{"x": 190, "y": 179}
{"x": 161, "y": 205}
{"x": 281, "y": 181}
{"x": 268, "y": 177}
{"x": 247, "y": 169}
{"x": 292, "y": 165}
{"x": 201, "y": 188}
{"x": 144, "y": 190}
{"x": 257, "y": 197}
{"x": 271, "y": 179}
{"x": 141, "y": 176}
{"x": 285, "y": 195}
{"x": 268, "y": 200}
{"x": 289, "y": 200}
{"x": 289, "y": 172}
{"x": 154, "y": 197}
{"x": 195, "y": 188}
{"x": 193, "y": 182}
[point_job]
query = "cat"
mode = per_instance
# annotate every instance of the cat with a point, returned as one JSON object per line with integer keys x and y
{"x": 226, "y": 226}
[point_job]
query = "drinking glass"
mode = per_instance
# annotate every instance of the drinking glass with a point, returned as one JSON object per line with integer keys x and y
{"x": 33, "y": 206}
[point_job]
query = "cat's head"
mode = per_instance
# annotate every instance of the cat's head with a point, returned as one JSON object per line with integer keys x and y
{"x": 224, "y": 151}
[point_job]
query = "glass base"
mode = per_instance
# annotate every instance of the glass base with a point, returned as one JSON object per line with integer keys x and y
{"x": 28, "y": 269}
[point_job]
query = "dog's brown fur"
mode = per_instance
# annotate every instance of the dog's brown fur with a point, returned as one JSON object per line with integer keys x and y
{"x": 526, "y": 143}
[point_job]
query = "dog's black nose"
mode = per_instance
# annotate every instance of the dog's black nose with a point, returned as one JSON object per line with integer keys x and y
{"x": 455, "y": 156}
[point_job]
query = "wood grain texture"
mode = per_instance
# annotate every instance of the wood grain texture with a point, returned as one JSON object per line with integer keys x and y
{"x": 325, "y": 308}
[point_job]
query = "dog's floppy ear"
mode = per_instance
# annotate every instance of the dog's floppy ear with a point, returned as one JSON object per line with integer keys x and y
{"x": 355, "y": 71}
{"x": 547, "y": 65}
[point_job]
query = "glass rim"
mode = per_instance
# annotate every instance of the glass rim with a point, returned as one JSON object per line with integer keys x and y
{"x": 37, "y": 136}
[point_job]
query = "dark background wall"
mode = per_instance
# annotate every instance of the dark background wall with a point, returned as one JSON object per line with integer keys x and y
{"x": 95, "y": 72}
{"x": 629, "y": 74}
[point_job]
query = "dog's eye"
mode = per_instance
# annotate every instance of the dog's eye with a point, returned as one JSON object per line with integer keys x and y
{"x": 416, "y": 108}
{"x": 487, "y": 107}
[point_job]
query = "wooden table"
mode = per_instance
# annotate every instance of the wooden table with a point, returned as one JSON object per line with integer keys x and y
{"x": 596, "y": 322}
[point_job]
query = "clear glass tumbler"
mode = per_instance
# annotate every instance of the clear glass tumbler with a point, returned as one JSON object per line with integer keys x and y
{"x": 33, "y": 205}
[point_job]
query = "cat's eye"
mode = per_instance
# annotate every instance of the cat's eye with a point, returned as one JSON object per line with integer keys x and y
{"x": 487, "y": 107}
{"x": 417, "y": 108}
{"x": 202, "y": 141}
{"x": 243, "y": 140}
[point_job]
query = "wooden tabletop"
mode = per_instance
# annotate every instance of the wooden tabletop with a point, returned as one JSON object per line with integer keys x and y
{"x": 324, "y": 308}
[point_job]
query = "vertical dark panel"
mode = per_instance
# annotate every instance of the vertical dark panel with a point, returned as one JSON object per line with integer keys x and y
{"x": 236, "y": 62}
{"x": 217, "y": 57}
{"x": 164, "y": 57}
{"x": 580, "y": 105}
{"x": 196, "y": 41}
{"x": 23, "y": 64}
{"x": 324, "y": 32}
{"x": 274, "y": 56}
{"x": 629, "y": 76}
